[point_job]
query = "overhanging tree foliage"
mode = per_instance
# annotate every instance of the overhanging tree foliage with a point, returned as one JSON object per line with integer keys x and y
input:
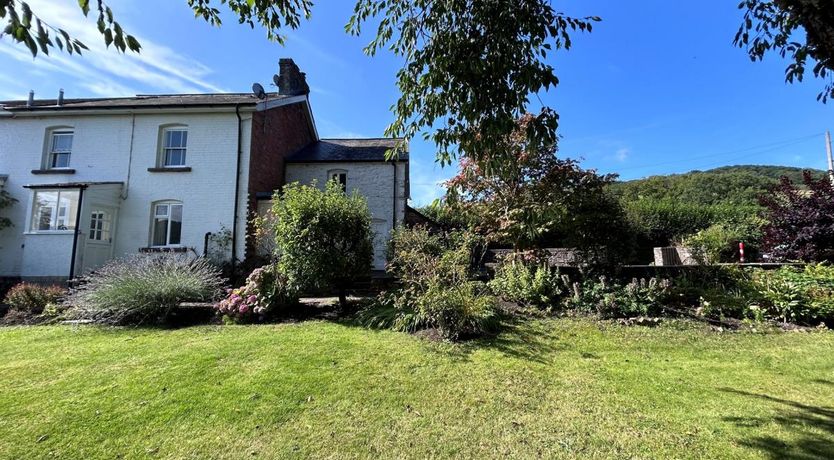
{"x": 470, "y": 66}
{"x": 798, "y": 29}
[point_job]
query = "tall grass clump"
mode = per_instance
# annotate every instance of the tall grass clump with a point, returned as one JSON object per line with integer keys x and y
{"x": 144, "y": 289}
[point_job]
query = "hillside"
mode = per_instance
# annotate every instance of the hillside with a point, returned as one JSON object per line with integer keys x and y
{"x": 739, "y": 185}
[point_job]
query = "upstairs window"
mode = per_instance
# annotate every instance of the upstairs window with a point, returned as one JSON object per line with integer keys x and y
{"x": 340, "y": 177}
{"x": 167, "y": 224}
{"x": 60, "y": 149}
{"x": 174, "y": 145}
{"x": 54, "y": 210}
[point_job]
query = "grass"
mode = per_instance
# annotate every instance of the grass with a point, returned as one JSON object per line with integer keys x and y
{"x": 545, "y": 388}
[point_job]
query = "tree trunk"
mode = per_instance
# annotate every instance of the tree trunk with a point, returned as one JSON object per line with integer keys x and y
{"x": 343, "y": 298}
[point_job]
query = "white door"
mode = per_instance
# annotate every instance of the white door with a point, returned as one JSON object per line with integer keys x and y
{"x": 98, "y": 246}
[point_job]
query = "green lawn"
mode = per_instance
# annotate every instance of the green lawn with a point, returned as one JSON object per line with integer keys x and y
{"x": 548, "y": 388}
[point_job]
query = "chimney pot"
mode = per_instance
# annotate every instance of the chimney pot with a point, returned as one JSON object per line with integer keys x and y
{"x": 61, "y": 96}
{"x": 31, "y": 100}
{"x": 291, "y": 81}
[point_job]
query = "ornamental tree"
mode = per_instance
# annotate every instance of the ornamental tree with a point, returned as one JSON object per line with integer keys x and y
{"x": 801, "y": 221}
{"x": 322, "y": 237}
{"x": 522, "y": 193}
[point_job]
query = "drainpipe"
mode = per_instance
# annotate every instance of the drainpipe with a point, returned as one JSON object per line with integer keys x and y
{"x": 129, "y": 156}
{"x": 205, "y": 243}
{"x": 77, "y": 232}
{"x": 237, "y": 189}
{"x": 394, "y": 219}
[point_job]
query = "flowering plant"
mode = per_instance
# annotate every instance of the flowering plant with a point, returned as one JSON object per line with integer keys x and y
{"x": 265, "y": 289}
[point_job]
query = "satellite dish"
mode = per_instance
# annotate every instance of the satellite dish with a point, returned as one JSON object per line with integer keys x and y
{"x": 276, "y": 79}
{"x": 258, "y": 90}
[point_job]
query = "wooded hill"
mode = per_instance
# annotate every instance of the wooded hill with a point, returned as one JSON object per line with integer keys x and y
{"x": 734, "y": 185}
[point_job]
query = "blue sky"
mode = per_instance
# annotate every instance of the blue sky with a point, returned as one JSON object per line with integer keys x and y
{"x": 656, "y": 88}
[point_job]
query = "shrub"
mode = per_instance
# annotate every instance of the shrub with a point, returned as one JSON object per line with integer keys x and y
{"x": 804, "y": 295}
{"x": 437, "y": 291}
{"x": 458, "y": 311}
{"x": 140, "y": 289}
{"x": 719, "y": 242}
{"x": 33, "y": 298}
{"x": 525, "y": 283}
{"x": 322, "y": 237}
{"x": 717, "y": 291}
{"x": 266, "y": 290}
{"x": 639, "y": 297}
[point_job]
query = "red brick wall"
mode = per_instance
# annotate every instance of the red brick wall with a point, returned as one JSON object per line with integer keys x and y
{"x": 276, "y": 134}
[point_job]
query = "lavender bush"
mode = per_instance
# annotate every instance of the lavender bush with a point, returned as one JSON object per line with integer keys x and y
{"x": 143, "y": 289}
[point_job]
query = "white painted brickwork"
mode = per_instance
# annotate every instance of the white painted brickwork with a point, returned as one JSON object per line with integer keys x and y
{"x": 101, "y": 152}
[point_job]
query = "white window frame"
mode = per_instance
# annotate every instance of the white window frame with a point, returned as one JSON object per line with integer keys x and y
{"x": 101, "y": 221}
{"x": 57, "y": 215}
{"x": 53, "y": 153}
{"x": 168, "y": 214}
{"x": 164, "y": 149}
{"x": 337, "y": 174}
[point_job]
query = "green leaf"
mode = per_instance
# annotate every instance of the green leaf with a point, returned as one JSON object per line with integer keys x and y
{"x": 85, "y": 6}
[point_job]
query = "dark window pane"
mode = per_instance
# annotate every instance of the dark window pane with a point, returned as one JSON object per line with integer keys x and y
{"x": 176, "y": 224}
{"x": 160, "y": 231}
{"x": 60, "y": 160}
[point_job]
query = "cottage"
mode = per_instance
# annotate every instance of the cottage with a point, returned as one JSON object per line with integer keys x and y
{"x": 96, "y": 179}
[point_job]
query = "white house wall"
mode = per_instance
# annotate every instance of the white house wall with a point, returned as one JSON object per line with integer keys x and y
{"x": 374, "y": 181}
{"x": 101, "y": 153}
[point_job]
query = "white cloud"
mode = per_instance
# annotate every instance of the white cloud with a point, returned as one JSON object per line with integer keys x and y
{"x": 106, "y": 72}
{"x": 622, "y": 154}
{"x": 427, "y": 180}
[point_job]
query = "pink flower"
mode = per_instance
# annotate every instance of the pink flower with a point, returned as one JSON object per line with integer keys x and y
{"x": 252, "y": 299}
{"x": 244, "y": 308}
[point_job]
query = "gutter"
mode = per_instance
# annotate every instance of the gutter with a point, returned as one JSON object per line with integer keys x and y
{"x": 237, "y": 189}
{"x": 77, "y": 231}
{"x": 126, "y": 110}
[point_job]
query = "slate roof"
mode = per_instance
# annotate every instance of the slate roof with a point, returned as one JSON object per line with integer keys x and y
{"x": 347, "y": 150}
{"x": 140, "y": 101}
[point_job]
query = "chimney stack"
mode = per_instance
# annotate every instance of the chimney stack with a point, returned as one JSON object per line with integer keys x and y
{"x": 61, "y": 97}
{"x": 31, "y": 100}
{"x": 291, "y": 80}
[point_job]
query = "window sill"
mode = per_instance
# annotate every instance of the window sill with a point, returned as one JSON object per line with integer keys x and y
{"x": 161, "y": 249}
{"x": 54, "y": 171}
{"x": 170, "y": 169}
{"x": 50, "y": 232}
